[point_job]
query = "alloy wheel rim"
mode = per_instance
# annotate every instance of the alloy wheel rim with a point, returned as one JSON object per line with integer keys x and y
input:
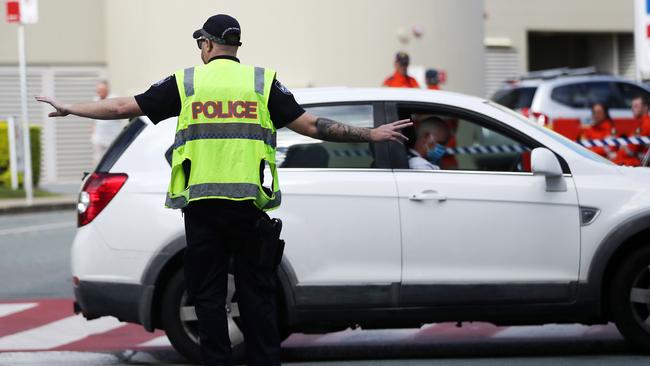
{"x": 189, "y": 322}
{"x": 640, "y": 298}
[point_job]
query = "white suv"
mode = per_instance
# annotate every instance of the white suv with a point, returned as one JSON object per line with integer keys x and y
{"x": 568, "y": 97}
{"x": 520, "y": 226}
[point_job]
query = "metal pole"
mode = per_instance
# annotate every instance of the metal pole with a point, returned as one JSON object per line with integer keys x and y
{"x": 13, "y": 153}
{"x": 640, "y": 42}
{"x": 27, "y": 155}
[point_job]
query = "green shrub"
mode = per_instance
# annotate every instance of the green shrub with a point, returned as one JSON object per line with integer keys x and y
{"x": 4, "y": 147}
{"x": 35, "y": 139}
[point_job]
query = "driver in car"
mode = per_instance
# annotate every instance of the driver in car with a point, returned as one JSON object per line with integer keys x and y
{"x": 431, "y": 137}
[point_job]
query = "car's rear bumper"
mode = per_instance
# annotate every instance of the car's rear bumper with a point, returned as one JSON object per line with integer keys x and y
{"x": 125, "y": 301}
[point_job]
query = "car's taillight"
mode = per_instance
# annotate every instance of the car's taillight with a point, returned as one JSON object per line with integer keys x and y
{"x": 97, "y": 192}
{"x": 540, "y": 118}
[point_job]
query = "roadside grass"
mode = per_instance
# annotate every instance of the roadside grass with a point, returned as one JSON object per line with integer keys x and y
{"x": 7, "y": 193}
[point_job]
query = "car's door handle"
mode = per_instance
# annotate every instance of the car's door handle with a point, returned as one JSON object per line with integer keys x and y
{"x": 428, "y": 195}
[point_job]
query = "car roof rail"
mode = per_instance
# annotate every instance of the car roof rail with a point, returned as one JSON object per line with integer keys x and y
{"x": 559, "y": 72}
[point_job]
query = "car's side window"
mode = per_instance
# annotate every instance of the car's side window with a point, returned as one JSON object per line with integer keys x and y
{"x": 582, "y": 95}
{"x": 298, "y": 151}
{"x": 628, "y": 92}
{"x": 571, "y": 95}
{"x": 456, "y": 142}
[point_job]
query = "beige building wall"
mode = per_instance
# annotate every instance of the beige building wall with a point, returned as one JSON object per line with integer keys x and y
{"x": 510, "y": 20}
{"x": 68, "y": 32}
{"x": 309, "y": 43}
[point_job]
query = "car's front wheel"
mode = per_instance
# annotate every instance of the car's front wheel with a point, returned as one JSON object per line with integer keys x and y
{"x": 180, "y": 322}
{"x": 630, "y": 298}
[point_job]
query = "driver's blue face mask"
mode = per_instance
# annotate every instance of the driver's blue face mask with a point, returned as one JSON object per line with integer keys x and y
{"x": 434, "y": 155}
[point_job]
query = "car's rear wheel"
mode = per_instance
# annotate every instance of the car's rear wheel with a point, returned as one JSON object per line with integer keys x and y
{"x": 180, "y": 322}
{"x": 630, "y": 298}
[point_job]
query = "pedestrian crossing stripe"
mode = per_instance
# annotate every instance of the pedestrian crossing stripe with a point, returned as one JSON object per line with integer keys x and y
{"x": 49, "y": 325}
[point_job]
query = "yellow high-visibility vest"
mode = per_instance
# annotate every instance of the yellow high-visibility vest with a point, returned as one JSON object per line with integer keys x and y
{"x": 224, "y": 137}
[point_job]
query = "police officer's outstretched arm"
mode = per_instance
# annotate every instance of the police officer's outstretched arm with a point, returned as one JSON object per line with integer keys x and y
{"x": 109, "y": 108}
{"x": 328, "y": 130}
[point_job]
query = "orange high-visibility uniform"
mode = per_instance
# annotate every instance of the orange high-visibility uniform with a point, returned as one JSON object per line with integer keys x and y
{"x": 398, "y": 80}
{"x": 631, "y": 155}
{"x": 645, "y": 131}
{"x": 599, "y": 132}
{"x": 450, "y": 161}
{"x": 645, "y": 125}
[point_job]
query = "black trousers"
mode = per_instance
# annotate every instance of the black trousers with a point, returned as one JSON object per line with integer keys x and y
{"x": 217, "y": 230}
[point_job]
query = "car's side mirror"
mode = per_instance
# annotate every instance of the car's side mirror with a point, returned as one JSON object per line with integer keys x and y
{"x": 545, "y": 163}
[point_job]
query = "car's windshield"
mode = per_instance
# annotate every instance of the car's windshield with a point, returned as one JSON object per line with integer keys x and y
{"x": 577, "y": 148}
{"x": 517, "y": 98}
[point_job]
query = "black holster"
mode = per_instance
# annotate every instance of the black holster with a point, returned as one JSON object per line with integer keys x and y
{"x": 269, "y": 253}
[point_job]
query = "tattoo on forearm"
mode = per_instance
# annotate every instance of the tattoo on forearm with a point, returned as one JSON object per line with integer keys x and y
{"x": 330, "y": 130}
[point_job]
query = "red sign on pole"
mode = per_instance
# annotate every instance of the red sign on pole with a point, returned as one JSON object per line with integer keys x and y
{"x": 13, "y": 11}
{"x": 442, "y": 76}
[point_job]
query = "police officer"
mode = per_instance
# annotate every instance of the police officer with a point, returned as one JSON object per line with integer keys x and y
{"x": 432, "y": 79}
{"x": 227, "y": 117}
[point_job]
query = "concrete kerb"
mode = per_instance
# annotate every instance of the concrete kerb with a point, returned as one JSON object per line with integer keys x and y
{"x": 40, "y": 204}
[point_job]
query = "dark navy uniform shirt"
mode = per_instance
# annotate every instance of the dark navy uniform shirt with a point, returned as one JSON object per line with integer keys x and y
{"x": 162, "y": 101}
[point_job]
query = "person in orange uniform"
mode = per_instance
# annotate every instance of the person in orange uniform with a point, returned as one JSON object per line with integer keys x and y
{"x": 645, "y": 124}
{"x": 432, "y": 78}
{"x": 631, "y": 155}
{"x": 401, "y": 79}
{"x": 643, "y": 107}
{"x": 601, "y": 128}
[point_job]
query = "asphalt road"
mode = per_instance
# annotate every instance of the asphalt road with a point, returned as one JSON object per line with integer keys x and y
{"x": 35, "y": 264}
{"x": 36, "y": 255}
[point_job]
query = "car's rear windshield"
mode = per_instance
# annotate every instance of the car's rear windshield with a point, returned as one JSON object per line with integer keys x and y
{"x": 515, "y": 98}
{"x": 120, "y": 144}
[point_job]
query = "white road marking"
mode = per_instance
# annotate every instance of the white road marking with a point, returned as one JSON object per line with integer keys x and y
{"x": 545, "y": 331}
{"x": 58, "y": 333}
{"x": 35, "y": 228}
{"x": 161, "y": 341}
{"x": 58, "y": 358}
{"x": 8, "y": 309}
{"x": 361, "y": 336}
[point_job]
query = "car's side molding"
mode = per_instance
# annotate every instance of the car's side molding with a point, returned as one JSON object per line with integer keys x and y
{"x": 160, "y": 259}
{"x": 150, "y": 276}
{"x": 618, "y": 238}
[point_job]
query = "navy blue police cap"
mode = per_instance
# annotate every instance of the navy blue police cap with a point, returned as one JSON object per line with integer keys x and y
{"x": 221, "y": 29}
{"x": 431, "y": 75}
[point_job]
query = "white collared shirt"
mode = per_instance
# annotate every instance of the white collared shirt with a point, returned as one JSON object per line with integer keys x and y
{"x": 416, "y": 161}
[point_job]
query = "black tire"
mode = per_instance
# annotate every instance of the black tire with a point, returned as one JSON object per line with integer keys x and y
{"x": 630, "y": 298}
{"x": 183, "y": 336}
{"x": 171, "y": 320}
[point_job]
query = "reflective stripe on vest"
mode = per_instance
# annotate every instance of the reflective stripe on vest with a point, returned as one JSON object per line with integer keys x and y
{"x": 230, "y": 190}
{"x": 188, "y": 81}
{"x": 225, "y": 131}
{"x": 259, "y": 80}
